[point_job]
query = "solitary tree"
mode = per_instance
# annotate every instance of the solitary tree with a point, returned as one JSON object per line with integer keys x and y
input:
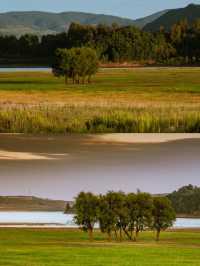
{"x": 163, "y": 215}
{"x": 86, "y": 208}
{"x": 77, "y": 64}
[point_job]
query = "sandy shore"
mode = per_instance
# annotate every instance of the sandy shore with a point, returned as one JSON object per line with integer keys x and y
{"x": 144, "y": 138}
{"x": 8, "y": 155}
{"x": 10, "y": 148}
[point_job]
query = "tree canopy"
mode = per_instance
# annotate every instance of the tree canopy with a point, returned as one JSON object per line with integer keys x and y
{"x": 123, "y": 215}
{"x": 163, "y": 215}
{"x": 77, "y": 64}
{"x": 186, "y": 200}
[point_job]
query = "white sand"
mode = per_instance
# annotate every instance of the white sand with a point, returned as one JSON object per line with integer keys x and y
{"x": 144, "y": 138}
{"x": 8, "y": 155}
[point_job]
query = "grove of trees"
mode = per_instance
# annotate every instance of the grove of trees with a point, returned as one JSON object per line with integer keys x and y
{"x": 121, "y": 215}
{"x": 180, "y": 45}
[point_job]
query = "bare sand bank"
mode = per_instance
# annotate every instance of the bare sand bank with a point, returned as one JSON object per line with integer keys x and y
{"x": 11, "y": 155}
{"x": 144, "y": 138}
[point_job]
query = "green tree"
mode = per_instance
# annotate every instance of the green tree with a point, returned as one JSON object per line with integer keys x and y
{"x": 132, "y": 207}
{"x": 107, "y": 216}
{"x": 86, "y": 209}
{"x": 77, "y": 64}
{"x": 163, "y": 215}
{"x": 143, "y": 217}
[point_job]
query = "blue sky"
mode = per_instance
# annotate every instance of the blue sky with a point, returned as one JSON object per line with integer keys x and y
{"x": 125, "y": 8}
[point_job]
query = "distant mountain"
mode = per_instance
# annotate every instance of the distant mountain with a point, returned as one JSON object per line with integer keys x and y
{"x": 40, "y": 23}
{"x": 23, "y": 203}
{"x": 190, "y": 12}
{"x": 141, "y": 22}
{"x": 18, "y": 23}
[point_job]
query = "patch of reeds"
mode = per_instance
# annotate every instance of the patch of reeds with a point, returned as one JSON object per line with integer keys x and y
{"x": 71, "y": 119}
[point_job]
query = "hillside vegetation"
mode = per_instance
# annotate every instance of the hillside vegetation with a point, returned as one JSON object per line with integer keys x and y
{"x": 173, "y": 16}
{"x": 23, "y": 203}
{"x": 42, "y": 23}
{"x": 186, "y": 201}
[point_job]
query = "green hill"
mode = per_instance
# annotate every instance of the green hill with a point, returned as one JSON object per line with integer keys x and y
{"x": 18, "y": 23}
{"x": 141, "y": 22}
{"x": 40, "y": 23}
{"x": 190, "y": 12}
{"x": 23, "y": 203}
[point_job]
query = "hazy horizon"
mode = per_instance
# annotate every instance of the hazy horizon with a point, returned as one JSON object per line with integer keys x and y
{"x": 123, "y": 8}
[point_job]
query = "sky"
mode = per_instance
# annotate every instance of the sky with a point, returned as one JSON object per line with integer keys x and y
{"x": 125, "y": 8}
{"x": 61, "y": 167}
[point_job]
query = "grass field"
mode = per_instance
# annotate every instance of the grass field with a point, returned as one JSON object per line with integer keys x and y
{"x": 120, "y": 100}
{"x": 60, "y": 247}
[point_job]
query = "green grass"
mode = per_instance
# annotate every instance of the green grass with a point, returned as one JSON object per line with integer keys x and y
{"x": 126, "y": 80}
{"x": 34, "y": 247}
{"x": 121, "y": 100}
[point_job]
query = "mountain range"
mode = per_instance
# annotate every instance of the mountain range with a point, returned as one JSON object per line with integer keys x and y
{"x": 173, "y": 16}
{"x": 18, "y": 23}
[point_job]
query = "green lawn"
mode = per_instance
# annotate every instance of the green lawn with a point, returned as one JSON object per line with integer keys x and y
{"x": 41, "y": 247}
{"x": 138, "y": 100}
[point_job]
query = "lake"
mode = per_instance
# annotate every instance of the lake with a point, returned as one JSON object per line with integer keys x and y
{"x": 59, "y": 167}
{"x": 50, "y": 219}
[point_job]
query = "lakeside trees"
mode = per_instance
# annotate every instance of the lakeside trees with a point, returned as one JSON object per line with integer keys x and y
{"x": 186, "y": 200}
{"x": 86, "y": 212}
{"x": 123, "y": 215}
{"x": 118, "y": 44}
{"x": 77, "y": 64}
{"x": 163, "y": 215}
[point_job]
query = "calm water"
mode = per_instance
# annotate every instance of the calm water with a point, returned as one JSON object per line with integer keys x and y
{"x": 59, "y": 218}
{"x": 60, "y": 167}
{"x": 26, "y": 69}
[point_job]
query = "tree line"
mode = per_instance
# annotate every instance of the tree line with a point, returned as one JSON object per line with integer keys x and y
{"x": 121, "y": 215}
{"x": 180, "y": 45}
{"x": 186, "y": 200}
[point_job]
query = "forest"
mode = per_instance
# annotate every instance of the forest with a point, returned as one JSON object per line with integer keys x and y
{"x": 179, "y": 46}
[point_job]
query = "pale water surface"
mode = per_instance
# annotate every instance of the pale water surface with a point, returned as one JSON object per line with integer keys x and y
{"x": 61, "y": 219}
{"x": 59, "y": 167}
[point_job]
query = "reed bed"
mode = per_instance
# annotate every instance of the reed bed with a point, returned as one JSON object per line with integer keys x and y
{"x": 55, "y": 119}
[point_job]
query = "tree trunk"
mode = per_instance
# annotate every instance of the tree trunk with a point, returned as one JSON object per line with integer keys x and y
{"x": 158, "y": 235}
{"x": 120, "y": 234}
{"x": 136, "y": 234}
{"x": 89, "y": 79}
{"x": 109, "y": 236}
{"x": 128, "y": 235}
{"x": 90, "y": 232}
{"x": 66, "y": 79}
{"x": 116, "y": 234}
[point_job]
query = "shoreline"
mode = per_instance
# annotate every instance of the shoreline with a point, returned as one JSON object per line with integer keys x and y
{"x": 114, "y": 137}
{"x": 146, "y": 137}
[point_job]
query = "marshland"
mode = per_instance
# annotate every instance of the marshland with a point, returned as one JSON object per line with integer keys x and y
{"x": 135, "y": 100}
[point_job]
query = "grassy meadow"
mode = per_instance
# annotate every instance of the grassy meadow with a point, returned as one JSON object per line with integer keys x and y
{"x": 119, "y": 100}
{"x": 42, "y": 247}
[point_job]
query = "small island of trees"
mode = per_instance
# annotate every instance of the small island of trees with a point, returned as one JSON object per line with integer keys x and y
{"x": 121, "y": 215}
